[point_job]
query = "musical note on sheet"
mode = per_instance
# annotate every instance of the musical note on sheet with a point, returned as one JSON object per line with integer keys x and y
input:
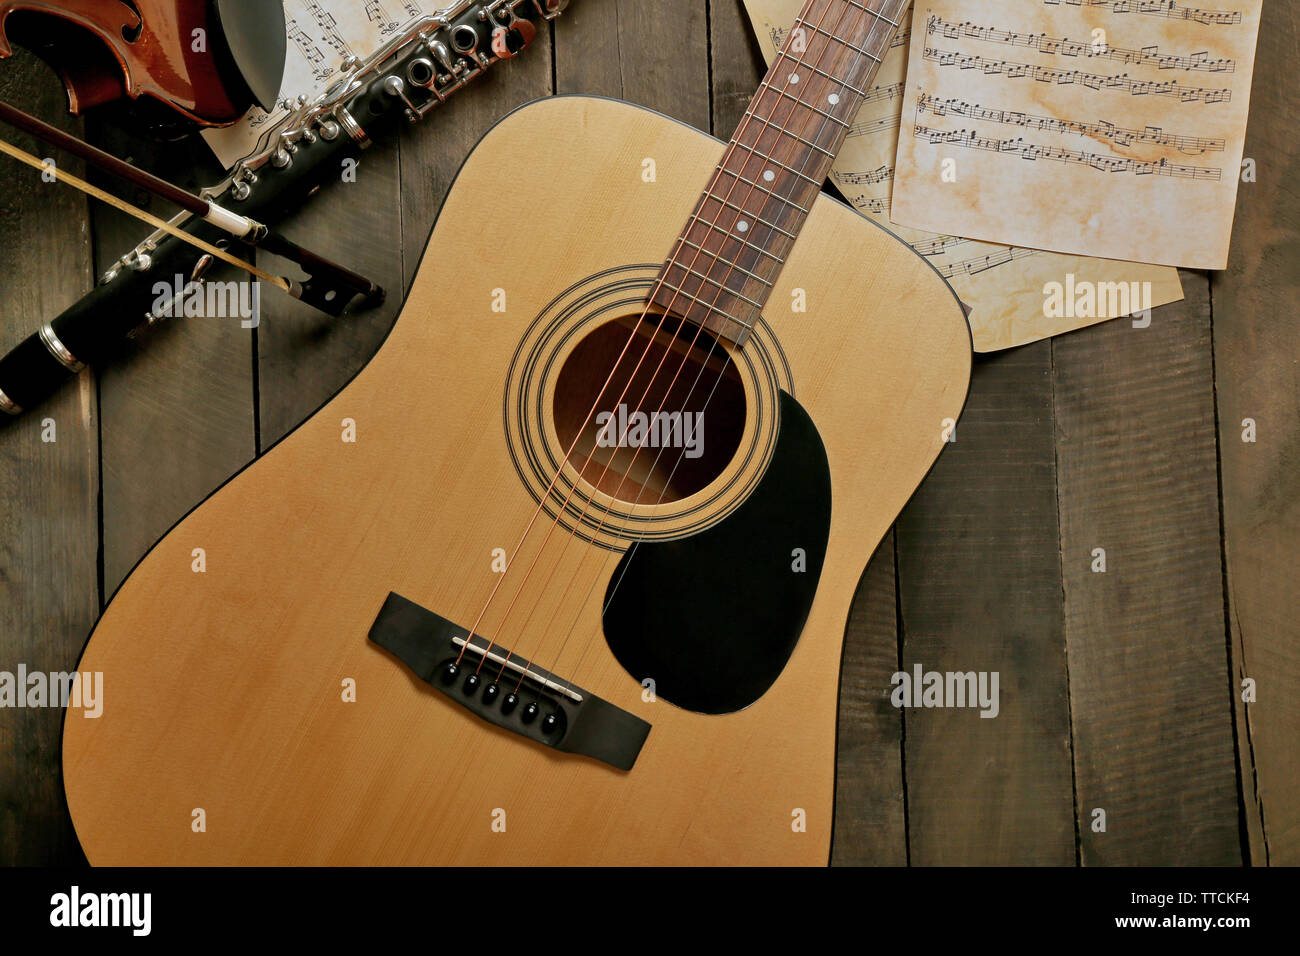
{"x": 1001, "y": 285}
{"x": 1097, "y": 82}
{"x": 1159, "y": 8}
{"x": 1145, "y": 84}
{"x": 967, "y": 139}
{"x": 1147, "y": 56}
{"x": 1153, "y": 135}
{"x": 322, "y": 34}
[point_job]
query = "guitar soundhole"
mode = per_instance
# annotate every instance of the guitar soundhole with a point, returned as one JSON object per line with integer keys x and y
{"x": 658, "y": 435}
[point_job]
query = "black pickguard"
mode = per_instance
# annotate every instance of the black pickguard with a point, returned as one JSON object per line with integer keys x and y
{"x": 713, "y": 618}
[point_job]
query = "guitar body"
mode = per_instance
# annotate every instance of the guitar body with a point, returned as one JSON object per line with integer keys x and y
{"x": 224, "y": 690}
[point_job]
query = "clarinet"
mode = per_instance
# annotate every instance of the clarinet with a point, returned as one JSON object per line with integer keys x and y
{"x": 404, "y": 80}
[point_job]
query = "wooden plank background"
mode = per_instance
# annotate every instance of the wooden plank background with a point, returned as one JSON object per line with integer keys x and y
{"x": 1121, "y": 691}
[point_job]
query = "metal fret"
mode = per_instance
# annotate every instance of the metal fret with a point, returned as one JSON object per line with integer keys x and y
{"x": 758, "y": 219}
{"x": 767, "y": 192}
{"x": 808, "y": 106}
{"x": 805, "y": 124}
{"x": 694, "y": 301}
{"x": 785, "y": 132}
{"x": 834, "y": 79}
{"x": 775, "y": 162}
{"x": 875, "y": 13}
{"x": 717, "y": 257}
{"x": 712, "y": 281}
{"x": 840, "y": 40}
{"x": 695, "y": 218}
{"x": 843, "y": 42}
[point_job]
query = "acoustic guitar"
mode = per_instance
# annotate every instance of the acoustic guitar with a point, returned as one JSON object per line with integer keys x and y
{"x": 562, "y": 575}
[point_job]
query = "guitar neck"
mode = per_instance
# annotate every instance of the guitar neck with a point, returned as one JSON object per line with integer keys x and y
{"x": 733, "y": 247}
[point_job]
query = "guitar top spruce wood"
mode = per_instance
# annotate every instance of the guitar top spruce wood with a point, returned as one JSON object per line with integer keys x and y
{"x": 562, "y": 576}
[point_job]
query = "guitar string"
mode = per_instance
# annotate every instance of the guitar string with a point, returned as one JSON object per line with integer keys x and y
{"x": 545, "y": 495}
{"x": 877, "y": 20}
{"x": 752, "y": 153}
{"x": 565, "y": 460}
{"x": 654, "y": 378}
{"x": 687, "y": 352}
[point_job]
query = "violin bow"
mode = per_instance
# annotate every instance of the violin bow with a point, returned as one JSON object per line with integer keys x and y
{"x": 240, "y": 227}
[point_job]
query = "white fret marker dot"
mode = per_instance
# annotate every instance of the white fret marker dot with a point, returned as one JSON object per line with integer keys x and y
{"x": 833, "y": 99}
{"x": 742, "y": 226}
{"x": 794, "y": 77}
{"x": 768, "y": 175}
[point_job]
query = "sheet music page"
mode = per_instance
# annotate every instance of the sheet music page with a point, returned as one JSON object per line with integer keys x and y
{"x": 1001, "y": 285}
{"x": 322, "y": 34}
{"x": 1101, "y": 127}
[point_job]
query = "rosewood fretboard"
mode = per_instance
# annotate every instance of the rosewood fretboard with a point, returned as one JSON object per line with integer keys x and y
{"x": 728, "y": 257}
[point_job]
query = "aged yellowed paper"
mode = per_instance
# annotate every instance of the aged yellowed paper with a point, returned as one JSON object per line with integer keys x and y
{"x": 1101, "y": 127}
{"x": 1003, "y": 287}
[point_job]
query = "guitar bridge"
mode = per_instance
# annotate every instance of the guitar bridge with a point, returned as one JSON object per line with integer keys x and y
{"x": 535, "y": 704}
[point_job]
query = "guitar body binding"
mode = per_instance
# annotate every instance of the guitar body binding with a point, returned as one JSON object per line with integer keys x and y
{"x": 247, "y": 718}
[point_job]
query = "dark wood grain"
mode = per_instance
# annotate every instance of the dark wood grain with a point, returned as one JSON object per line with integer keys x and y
{"x": 652, "y": 54}
{"x": 49, "y": 516}
{"x": 980, "y": 585}
{"x": 870, "y": 809}
{"x": 1257, "y": 362}
{"x": 1103, "y": 438}
{"x": 1148, "y": 661}
{"x": 736, "y": 64}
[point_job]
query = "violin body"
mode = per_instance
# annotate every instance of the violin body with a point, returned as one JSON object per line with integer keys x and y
{"x": 171, "y": 52}
{"x": 247, "y": 717}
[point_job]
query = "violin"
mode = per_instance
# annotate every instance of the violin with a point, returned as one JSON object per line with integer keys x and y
{"x": 206, "y": 60}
